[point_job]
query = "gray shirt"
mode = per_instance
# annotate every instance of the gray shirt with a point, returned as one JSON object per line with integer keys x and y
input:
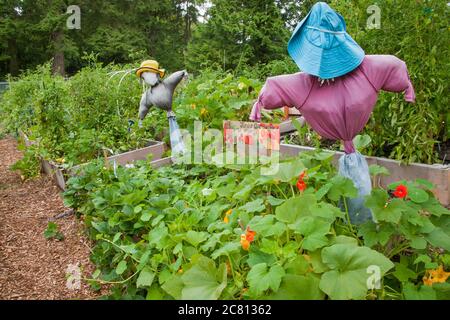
{"x": 161, "y": 94}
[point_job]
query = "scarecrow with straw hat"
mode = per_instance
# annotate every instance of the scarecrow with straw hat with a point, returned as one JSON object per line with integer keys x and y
{"x": 337, "y": 90}
{"x": 160, "y": 94}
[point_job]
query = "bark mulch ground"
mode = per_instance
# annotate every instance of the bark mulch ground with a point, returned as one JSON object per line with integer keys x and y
{"x": 32, "y": 267}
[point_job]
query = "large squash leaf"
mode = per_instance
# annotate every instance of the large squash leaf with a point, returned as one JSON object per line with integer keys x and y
{"x": 204, "y": 281}
{"x": 348, "y": 274}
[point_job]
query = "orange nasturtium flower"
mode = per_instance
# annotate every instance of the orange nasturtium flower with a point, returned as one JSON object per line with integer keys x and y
{"x": 226, "y": 219}
{"x": 247, "y": 238}
{"x": 435, "y": 276}
{"x": 244, "y": 242}
{"x": 250, "y": 234}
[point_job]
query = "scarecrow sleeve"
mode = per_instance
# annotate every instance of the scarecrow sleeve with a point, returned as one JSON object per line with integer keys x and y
{"x": 175, "y": 78}
{"x": 280, "y": 91}
{"x": 389, "y": 73}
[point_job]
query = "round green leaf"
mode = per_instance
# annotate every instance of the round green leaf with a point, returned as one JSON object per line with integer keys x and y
{"x": 418, "y": 195}
{"x": 349, "y": 270}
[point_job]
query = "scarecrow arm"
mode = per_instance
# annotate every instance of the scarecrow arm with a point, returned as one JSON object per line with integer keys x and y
{"x": 175, "y": 78}
{"x": 389, "y": 73}
{"x": 143, "y": 108}
{"x": 280, "y": 91}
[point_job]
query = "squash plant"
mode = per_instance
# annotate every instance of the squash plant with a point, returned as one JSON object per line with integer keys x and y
{"x": 207, "y": 232}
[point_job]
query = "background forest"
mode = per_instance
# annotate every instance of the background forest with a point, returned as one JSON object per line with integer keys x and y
{"x": 243, "y": 38}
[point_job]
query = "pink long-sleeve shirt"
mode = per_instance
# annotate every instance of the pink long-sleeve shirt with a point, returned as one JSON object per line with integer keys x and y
{"x": 337, "y": 110}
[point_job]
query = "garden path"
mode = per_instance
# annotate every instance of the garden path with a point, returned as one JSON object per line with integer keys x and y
{"x": 32, "y": 267}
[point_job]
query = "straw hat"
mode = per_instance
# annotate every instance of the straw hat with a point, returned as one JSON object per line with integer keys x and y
{"x": 150, "y": 66}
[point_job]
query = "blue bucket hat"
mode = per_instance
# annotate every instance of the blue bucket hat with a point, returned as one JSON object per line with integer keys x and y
{"x": 321, "y": 46}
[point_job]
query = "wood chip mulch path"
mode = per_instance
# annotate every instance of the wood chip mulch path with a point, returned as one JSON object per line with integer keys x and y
{"x": 32, "y": 267}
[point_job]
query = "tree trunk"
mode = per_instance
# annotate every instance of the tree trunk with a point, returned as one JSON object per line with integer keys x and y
{"x": 58, "y": 53}
{"x": 13, "y": 59}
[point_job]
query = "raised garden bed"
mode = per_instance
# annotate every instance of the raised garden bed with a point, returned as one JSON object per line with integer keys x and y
{"x": 287, "y": 126}
{"x": 26, "y": 140}
{"x": 60, "y": 174}
{"x": 438, "y": 174}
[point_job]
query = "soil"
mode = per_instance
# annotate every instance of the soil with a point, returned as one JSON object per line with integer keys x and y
{"x": 444, "y": 151}
{"x": 32, "y": 267}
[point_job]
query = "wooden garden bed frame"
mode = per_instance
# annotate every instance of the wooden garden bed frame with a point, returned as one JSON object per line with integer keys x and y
{"x": 61, "y": 175}
{"x": 437, "y": 174}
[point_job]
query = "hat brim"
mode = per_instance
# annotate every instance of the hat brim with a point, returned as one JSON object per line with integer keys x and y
{"x": 141, "y": 70}
{"x": 324, "y": 63}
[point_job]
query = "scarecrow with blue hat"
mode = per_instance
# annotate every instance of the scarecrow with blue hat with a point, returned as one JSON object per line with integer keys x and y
{"x": 336, "y": 90}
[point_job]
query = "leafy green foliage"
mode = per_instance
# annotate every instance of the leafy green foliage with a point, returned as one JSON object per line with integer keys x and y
{"x": 230, "y": 38}
{"x": 74, "y": 121}
{"x": 261, "y": 278}
{"x": 159, "y": 236}
{"x": 52, "y": 232}
{"x": 34, "y": 32}
{"x": 29, "y": 165}
{"x": 348, "y": 264}
{"x": 203, "y": 281}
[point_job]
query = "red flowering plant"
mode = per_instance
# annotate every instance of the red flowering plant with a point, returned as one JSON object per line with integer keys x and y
{"x": 401, "y": 191}
{"x": 301, "y": 184}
